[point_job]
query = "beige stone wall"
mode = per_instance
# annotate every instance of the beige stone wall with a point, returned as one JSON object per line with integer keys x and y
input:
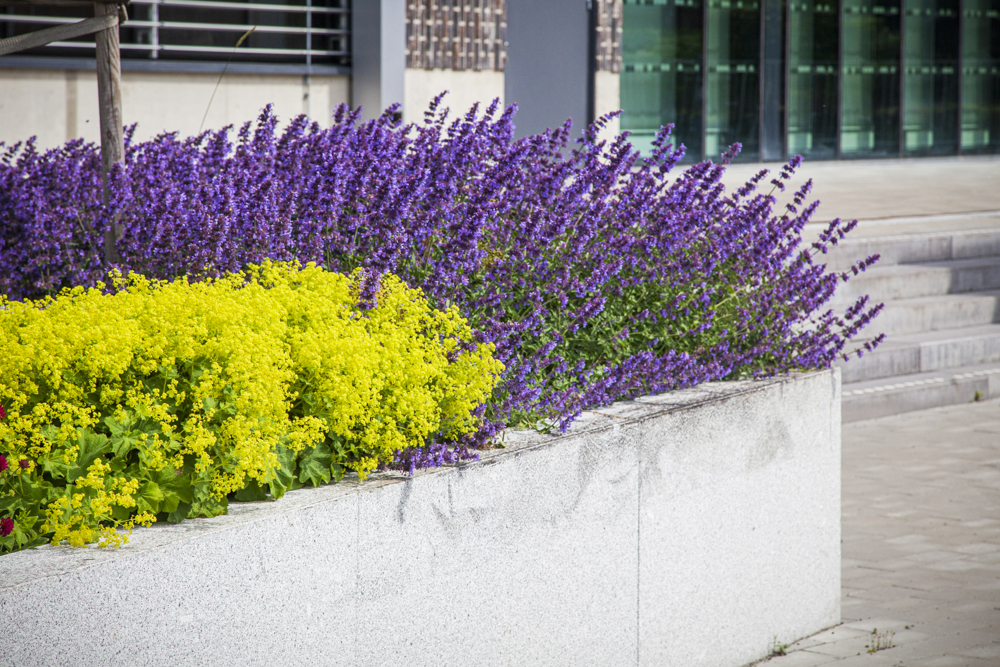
{"x": 466, "y": 87}
{"x": 607, "y": 98}
{"x": 58, "y": 105}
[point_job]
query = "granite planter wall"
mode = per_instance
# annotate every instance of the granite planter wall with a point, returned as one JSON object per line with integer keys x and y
{"x": 686, "y": 529}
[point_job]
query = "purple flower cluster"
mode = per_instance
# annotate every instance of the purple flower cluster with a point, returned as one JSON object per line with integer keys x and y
{"x": 597, "y": 273}
{"x": 6, "y": 526}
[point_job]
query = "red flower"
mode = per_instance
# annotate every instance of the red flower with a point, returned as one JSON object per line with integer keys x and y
{"x": 3, "y": 413}
{"x": 6, "y": 526}
{"x": 3, "y": 462}
{"x": 24, "y": 463}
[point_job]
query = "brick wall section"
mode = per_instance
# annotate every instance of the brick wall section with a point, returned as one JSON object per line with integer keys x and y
{"x": 471, "y": 34}
{"x": 609, "y": 36}
{"x": 456, "y": 34}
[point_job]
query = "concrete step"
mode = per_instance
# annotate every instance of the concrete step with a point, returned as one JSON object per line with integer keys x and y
{"x": 924, "y": 352}
{"x": 895, "y": 395}
{"x": 936, "y": 313}
{"x": 907, "y": 281}
{"x": 935, "y": 246}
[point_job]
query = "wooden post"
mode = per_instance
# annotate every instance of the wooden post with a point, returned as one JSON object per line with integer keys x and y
{"x": 109, "y": 95}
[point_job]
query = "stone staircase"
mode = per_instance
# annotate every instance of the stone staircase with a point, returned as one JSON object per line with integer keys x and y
{"x": 941, "y": 291}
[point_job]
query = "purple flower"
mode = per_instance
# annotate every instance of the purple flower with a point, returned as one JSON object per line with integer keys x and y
{"x": 24, "y": 463}
{"x": 6, "y": 526}
{"x": 3, "y": 463}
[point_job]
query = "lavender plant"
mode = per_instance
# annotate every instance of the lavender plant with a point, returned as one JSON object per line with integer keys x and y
{"x": 596, "y": 272}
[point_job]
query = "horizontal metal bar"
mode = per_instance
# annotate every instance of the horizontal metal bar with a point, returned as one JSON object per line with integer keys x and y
{"x": 243, "y": 6}
{"x": 24, "y": 18}
{"x": 181, "y": 25}
{"x": 183, "y": 66}
{"x": 182, "y": 48}
{"x": 233, "y": 27}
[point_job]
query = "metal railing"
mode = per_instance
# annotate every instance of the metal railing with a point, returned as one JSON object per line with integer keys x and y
{"x": 310, "y": 32}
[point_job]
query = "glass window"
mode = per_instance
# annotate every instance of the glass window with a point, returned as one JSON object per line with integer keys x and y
{"x": 297, "y": 32}
{"x": 981, "y": 77}
{"x": 930, "y": 77}
{"x": 661, "y": 79}
{"x": 732, "y": 86}
{"x": 870, "y": 79}
{"x": 813, "y": 60}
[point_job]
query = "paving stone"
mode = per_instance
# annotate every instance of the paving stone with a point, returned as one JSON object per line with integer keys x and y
{"x": 801, "y": 659}
{"x": 943, "y": 661}
{"x": 921, "y": 542}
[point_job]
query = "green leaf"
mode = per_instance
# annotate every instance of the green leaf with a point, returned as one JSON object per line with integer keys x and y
{"x": 252, "y": 492}
{"x": 208, "y": 507}
{"x": 149, "y": 498}
{"x": 6, "y": 503}
{"x": 284, "y": 478}
{"x": 179, "y": 514}
{"x": 91, "y": 445}
{"x": 42, "y": 492}
{"x": 314, "y": 466}
{"x": 123, "y": 438}
{"x": 175, "y": 485}
{"x": 54, "y": 466}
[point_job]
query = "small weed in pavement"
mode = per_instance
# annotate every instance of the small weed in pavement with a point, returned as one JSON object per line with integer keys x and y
{"x": 880, "y": 641}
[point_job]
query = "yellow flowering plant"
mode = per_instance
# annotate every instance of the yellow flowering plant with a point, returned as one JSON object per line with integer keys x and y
{"x": 144, "y": 400}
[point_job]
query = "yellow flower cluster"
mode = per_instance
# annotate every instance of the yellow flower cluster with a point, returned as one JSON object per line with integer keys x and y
{"x": 164, "y": 397}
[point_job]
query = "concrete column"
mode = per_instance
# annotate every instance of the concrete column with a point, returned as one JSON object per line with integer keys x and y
{"x": 548, "y": 72}
{"x": 378, "y": 53}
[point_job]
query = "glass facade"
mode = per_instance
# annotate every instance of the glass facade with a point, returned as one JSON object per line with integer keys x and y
{"x": 662, "y": 73}
{"x": 980, "y": 77}
{"x": 869, "y": 79}
{"x": 930, "y": 77}
{"x": 813, "y": 61}
{"x": 732, "y": 73}
{"x": 825, "y": 79}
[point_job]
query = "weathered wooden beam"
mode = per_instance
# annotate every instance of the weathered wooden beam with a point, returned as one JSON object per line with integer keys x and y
{"x": 109, "y": 96}
{"x": 59, "y": 32}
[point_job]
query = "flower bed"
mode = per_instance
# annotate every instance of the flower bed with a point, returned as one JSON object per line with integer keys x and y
{"x": 595, "y": 274}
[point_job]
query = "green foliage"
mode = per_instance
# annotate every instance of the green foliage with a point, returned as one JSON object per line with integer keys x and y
{"x": 164, "y": 400}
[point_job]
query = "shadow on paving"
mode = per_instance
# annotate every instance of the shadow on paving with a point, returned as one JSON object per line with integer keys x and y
{"x": 921, "y": 544}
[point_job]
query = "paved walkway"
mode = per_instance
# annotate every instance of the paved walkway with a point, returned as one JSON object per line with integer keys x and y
{"x": 880, "y": 189}
{"x": 921, "y": 544}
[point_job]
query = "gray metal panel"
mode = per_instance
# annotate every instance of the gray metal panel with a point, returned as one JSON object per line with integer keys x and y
{"x": 378, "y": 53}
{"x": 548, "y": 70}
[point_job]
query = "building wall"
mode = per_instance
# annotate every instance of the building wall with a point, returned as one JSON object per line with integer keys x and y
{"x": 607, "y": 98}
{"x": 465, "y": 88}
{"x": 59, "y": 105}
